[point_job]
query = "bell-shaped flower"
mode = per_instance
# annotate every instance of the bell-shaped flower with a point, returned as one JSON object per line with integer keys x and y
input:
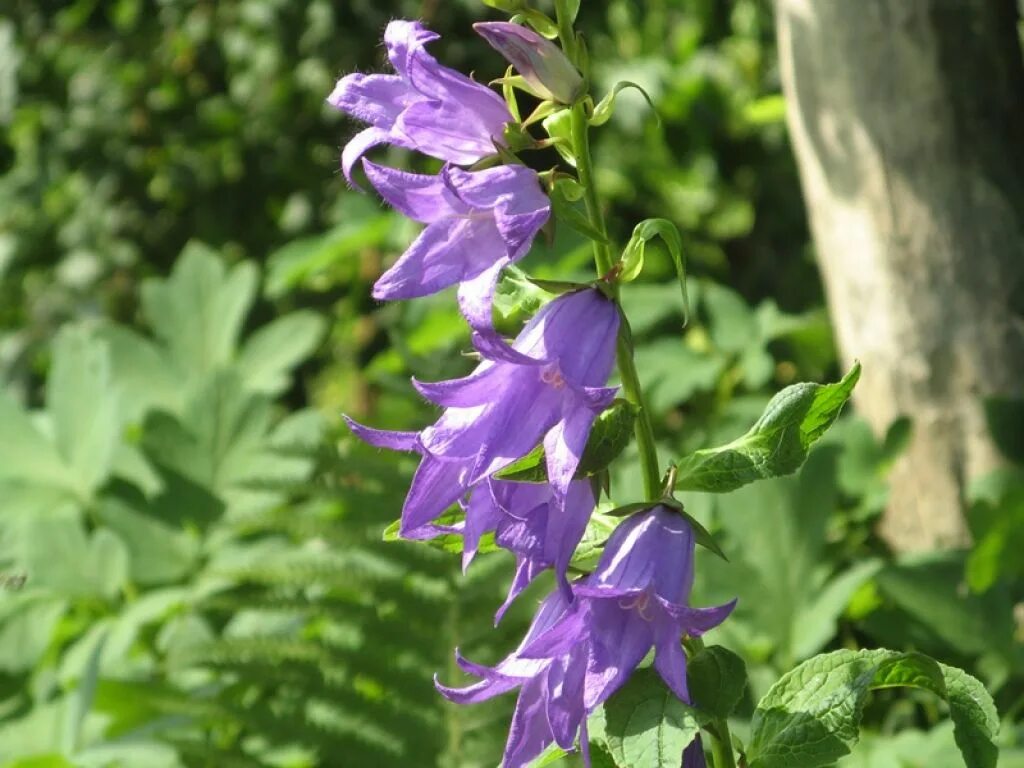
{"x": 534, "y": 522}
{"x": 638, "y": 598}
{"x": 578, "y": 653}
{"x": 541, "y": 63}
{"x": 548, "y": 387}
{"x": 550, "y": 708}
{"x": 425, "y": 106}
{"x": 477, "y": 223}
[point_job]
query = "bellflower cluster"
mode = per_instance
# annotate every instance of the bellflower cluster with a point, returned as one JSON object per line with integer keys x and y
{"x": 544, "y": 389}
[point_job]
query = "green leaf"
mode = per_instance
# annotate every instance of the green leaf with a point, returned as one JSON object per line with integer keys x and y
{"x": 269, "y": 355}
{"x": 609, "y": 436}
{"x": 646, "y": 726}
{"x": 716, "y": 678}
{"x": 776, "y": 445}
{"x": 811, "y": 717}
{"x": 198, "y": 311}
{"x": 559, "y": 128}
{"x": 568, "y": 10}
{"x": 606, "y": 107}
{"x": 82, "y": 399}
{"x": 633, "y": 256}
{"x": 447, "y": 542}
{"x": 566, "y": 211}
{"x": 544, "y": 25}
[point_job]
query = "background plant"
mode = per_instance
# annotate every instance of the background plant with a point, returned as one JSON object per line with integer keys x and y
{"x": 82, "y": 229}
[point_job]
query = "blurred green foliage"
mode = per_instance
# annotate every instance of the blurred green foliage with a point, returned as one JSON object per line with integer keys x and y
{"x": 205, "y": 581}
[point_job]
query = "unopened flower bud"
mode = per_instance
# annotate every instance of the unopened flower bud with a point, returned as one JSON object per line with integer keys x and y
{"x": 540, "y": 62}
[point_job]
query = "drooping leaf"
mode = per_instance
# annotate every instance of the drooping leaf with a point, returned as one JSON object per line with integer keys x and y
{"x": 811, "y": 717}
{"x": 605, "y": 108}
{"x": 634, "y": 253}
{"x": 776, "y": 445}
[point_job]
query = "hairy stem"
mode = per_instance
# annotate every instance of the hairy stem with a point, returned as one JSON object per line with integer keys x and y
{"x": 649, "y": 464}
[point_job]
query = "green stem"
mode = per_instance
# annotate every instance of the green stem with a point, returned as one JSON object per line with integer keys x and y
{"x": 649, "y": 464}
{"x": 721, "y": 739}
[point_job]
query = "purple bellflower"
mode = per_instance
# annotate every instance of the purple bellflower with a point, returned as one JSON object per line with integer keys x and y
{"x": 477, "y": 223}
{"x": 552, "y": 690}
{"x": 424, "y": 106}
{"x": 636, "y": 599}
{"x": 532, "y": 521}
{"x": 548, "y": 386}
{"x": 543, "y": 66}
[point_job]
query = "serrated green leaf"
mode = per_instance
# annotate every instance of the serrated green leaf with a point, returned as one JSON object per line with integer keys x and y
{"x": 609, "y": 436}
{"x": 776, "y": 445}
{"x": 646, "y": 726}
{"x": 811, "y": 717}
{"x": 716, "y": 678}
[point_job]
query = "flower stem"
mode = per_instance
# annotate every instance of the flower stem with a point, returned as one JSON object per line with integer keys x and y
{"x": 649, "y": 464}
{"x": 721, "y": 739}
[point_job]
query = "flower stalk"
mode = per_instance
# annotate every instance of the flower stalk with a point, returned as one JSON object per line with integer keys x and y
{"x": 721, "y": 738}
{"x": 631, "y": 387}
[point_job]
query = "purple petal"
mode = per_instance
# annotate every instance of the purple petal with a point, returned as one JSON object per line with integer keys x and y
{"x": 358, "y": 146}
{"x": 446, "y": 252}
{"x": 669, "y": 659}
{"x": 380, "y": 438}
{"x": 564, "y": 444}
{"x": 476, "y": 297}
{"x": 374, "y": 99}
{"x": 697, "y": 621}
{"x": 447, "y": 130}
{"x": 477, "y": 692}
{"x": 482, "y": 516}
{"x": 621, "y": 638}
{"x": 565, "y": 710}
{"x": 693, "y": 755}
{"x": 405, "y": 39}
{"x": 435, "y": 487}
{"x": 478, "y": 388}
{"x": 526, "y": 571}
{"x": 559, "y": 638}
{"x": 490, "y": 344}
{"x": 529, "y": 733}
{"x": 566, "y": 525}
{"x": 417, "y": 196}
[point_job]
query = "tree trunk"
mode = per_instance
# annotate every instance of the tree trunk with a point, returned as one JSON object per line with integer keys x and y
{"x": 907, "y": 118}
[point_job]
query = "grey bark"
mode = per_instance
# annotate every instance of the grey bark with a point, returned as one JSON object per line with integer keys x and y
{"x": 907, "y": 118}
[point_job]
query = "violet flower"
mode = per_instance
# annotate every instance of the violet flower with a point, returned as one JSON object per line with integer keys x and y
{"x": 425, "y": 106}
{"x": 550, "y": 708}
{"x": 542, "y": 64}
{"x": 477, "y": 223}
{"x": 531, "y": 520}
{"x": 636, "y": 599}
{"x": 548, "y": 386}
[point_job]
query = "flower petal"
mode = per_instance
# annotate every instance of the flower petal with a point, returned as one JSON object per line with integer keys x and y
{"x": 417, "y": 196}
{"x": 564, "y": 443}
{"x": 565, "y": 685}
{"x": 381, "y": 438}
{"x": 358, "y": 146}
{"x": 435, "y": 487}
{"x": 529, "y": 733}
{"x": 445, "y": 252}
{"x": 447, "y": 130}
{"x": 697, "y": 621}
{"x": 476, "y": 297}
{"x": 405, "y": 39}
{"x": 374, "y": 99}
{"x": 669, "y": 659}
{"x": 481, "y": 386}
